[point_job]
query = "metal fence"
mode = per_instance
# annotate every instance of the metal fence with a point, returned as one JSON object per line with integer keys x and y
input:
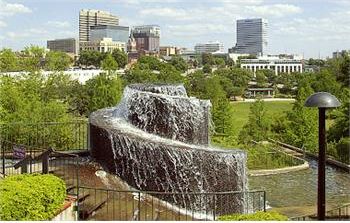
{"x": 105, "y": 204}
{"x": 341, "y": 213}
{"x": 58, "y": 135}
{"x": 31, "y": 159}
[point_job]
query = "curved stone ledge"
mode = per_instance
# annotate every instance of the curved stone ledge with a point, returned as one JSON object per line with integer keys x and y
{"x": 265, "y": 172}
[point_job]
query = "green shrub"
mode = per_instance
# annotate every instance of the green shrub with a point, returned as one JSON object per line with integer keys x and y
{"x": 31, "y": 197}
{"x": 343, "y": 150}
{"x": 258, "y": 216}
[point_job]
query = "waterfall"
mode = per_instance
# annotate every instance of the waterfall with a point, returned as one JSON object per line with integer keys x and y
{"x": 157, "y": 139}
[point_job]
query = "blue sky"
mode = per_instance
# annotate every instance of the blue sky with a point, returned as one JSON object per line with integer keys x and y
{"x": 309, "y": 27}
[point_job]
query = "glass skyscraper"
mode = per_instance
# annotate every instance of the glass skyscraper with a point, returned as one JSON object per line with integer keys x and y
{"x": 117, "y": 33}
{"x": 251, "y": 36}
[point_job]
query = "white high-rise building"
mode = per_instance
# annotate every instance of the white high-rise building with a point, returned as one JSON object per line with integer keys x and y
{"x": 251, "y": 36}
{"x": 209, "y": 47}
{"x": 88, "y": 18}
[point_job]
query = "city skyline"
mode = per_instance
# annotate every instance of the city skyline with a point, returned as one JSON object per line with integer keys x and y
{"x": 312, "y": 28}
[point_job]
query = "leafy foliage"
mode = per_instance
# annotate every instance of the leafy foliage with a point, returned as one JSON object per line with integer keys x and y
{"x": 258, "y": 126}
{"x": 103, "y": 91}
{"x": 31, "y": 197}
{"x": 90, "y": 58}
{"x": 179, "y": 63}
{"x": 207, "y": 69}
{"x": 120, "y": 57}
{"x": 57, "y": 61}
{"x": 258, "y": 216}
{"x": 8, "y": 61}
{"x": 109, "y": 64}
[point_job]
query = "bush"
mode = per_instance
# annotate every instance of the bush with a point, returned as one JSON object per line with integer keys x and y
{"x": 31, "y": 197}
{"x": 343, "y": 150}
{"x": 258, "y": 216}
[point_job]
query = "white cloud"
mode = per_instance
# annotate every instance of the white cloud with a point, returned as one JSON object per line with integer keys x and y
{"x": 59, "y": 24}
{"x": 277, "y": 10}
{"x": 9, "y": 9}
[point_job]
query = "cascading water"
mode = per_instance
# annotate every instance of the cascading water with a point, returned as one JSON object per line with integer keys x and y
{"x": 157, "y": 139}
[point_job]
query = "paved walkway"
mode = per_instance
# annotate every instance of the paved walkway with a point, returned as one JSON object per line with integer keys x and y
{"x": 267, "y": 99}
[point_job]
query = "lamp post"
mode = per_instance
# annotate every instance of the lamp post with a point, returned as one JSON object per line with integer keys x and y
{"x": 322, "y": 100}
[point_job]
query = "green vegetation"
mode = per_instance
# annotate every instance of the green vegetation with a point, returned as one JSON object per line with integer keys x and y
{"x": 267, "y": 157}
{"x": 257, "y": 124}
{"x": 258, "y": 216}
{"x": 31, "y": 197}
{"x": 34, "y": 98}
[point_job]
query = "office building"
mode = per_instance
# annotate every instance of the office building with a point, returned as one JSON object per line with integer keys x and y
{"x": 69, "y": 45}
{"x": 251, "y": 36}
{"x": 147, "y": 37}
{"x": 117, "y": 33}
{"x": 277, "y": 64}
{"x": 168, "y": 50}
{"x": 88, "y": 18}
{"x": 105, "y": 45}
{"x": 209, "y": 47}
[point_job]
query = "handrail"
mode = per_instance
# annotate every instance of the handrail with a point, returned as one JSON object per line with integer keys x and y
{"x": 314, "y": 215}
{"x": 43, "y": 123}
{"x": 175, "y": 193}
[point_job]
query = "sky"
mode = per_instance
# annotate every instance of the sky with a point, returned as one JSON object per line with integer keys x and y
{"x": 313, "y": 28}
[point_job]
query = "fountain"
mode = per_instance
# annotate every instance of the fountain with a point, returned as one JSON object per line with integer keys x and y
{"x": 157, "y": 139}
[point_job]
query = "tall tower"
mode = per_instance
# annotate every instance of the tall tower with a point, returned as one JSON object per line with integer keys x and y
{"x": 88, "y": 18}
{"x": 251, "y": 36}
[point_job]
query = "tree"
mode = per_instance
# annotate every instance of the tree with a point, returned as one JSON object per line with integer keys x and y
{"x": 169, "y": 74}
{"x": 289, "y": 81}
{"x": 340, "y": 128}
{"x": 139, "y": 75}
{"x": 207, "y": 69}
{"x": 150, "y": 62}
{"x": 120, "y": 57}
{"x": 326, "y": 81}
{"x": 57, "y": 86}
{"x": 179, "y": 63}
{"x": 220, "y": 62}
{"x": 21, "y": 101}
{"x": 90, "y": 58}
{"x": 8, "y": 61}
{"x": 103, "y": 91}
{"x": 57, "y": 61}
{"x": 257, "y": 127}
{"x": 208, "y": 58}
{"x": 302, "y": 128}
{"x": 261, "y": 80}
{"x": 32, "y": 58}
{"x": 109, "y": 64}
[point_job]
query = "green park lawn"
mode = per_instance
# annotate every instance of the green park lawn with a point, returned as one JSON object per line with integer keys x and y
{"x": 241, "y": 112}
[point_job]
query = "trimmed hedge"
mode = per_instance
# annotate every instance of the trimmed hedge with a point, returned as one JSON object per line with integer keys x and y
{"x": 31, "y": 197}
{"x": 258, "y": 216}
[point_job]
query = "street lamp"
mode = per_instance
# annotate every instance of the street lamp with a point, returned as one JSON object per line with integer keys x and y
{"x": 322, "y": 100}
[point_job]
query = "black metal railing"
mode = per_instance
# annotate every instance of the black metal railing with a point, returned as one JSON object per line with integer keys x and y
{"x": 341, "y": 213}
{"x": 40, "y": 160}
{"x": 107, "y": 204}
{"x": 272, "y": 159}
{"x": 58, "y": 135}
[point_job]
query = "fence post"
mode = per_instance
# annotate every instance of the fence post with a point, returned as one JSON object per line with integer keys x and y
{"x": 3, "y": 157}
{"x": 264, "y": 201}
{"x": 139, "y": 206}
{"x": 45, "y": 163}
{"x": 214, "y": 212}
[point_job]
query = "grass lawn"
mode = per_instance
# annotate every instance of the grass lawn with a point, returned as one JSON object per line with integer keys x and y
{"x": 241, "y": 112}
